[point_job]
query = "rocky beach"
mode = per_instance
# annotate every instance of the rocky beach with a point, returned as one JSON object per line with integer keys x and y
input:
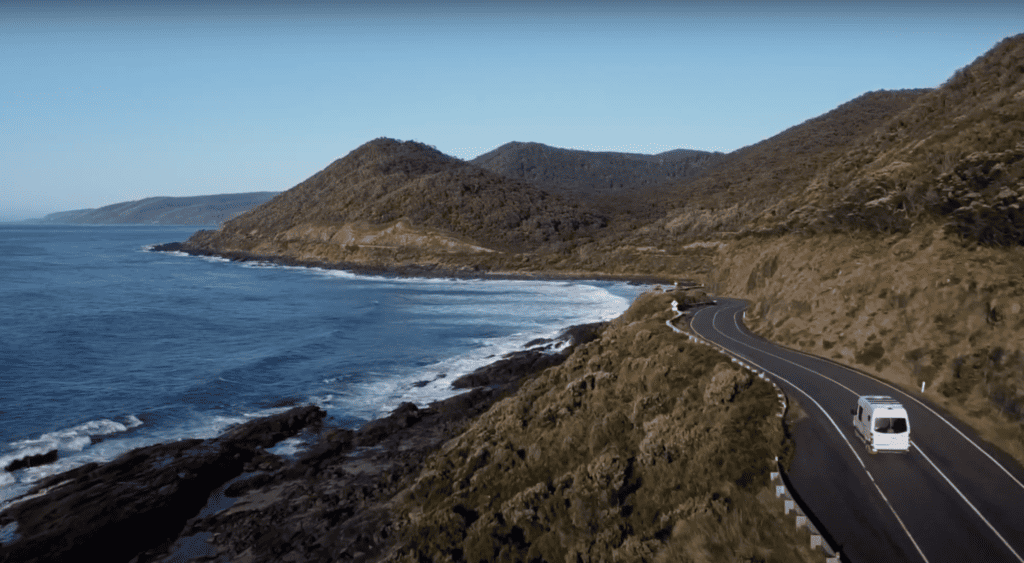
{"x": 413, "y": 484}
{"x": 148, "y": 505}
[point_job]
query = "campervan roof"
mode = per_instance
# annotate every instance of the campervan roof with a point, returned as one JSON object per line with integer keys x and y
{"x": 882, "y": 401}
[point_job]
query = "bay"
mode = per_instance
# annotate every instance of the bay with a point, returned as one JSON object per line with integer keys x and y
{"x": 106, "y": 346}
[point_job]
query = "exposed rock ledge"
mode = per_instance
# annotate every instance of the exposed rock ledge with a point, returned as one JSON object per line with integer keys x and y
{"x": 139, "y": 499}
{"x": 145, "y": 506}
{"x": 633, "y": 448}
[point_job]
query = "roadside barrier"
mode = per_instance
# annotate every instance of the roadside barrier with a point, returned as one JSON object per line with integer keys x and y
{"x": 789, "y": 503}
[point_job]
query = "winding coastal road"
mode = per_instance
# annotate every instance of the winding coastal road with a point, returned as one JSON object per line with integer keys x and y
{"x": 951, "y": 498}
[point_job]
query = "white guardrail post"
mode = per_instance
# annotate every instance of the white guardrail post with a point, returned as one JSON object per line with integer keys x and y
{"x": 789, "y": 503}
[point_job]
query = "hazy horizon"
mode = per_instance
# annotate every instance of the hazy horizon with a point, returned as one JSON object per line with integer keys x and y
{"x": 114, "y": 102}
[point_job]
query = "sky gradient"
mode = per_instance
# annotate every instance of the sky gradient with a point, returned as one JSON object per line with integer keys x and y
{"x": 108, "y": 102}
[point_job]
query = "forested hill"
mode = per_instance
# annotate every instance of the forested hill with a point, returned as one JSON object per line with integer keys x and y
{"x": 594, "y": 175}
{"x": 404, "y": 196}
{"x": 956, "y": 155}
{"x": 195, "y": 210}
{"x": 747, "y": 182}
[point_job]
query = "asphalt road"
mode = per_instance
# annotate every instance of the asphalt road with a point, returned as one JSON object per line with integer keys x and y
{"x": 950, "y": 498}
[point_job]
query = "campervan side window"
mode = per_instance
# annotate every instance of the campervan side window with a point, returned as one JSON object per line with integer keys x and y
{"x": 891, "y": 425}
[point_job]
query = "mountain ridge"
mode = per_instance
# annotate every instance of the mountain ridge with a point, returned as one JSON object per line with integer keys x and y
{"x": 388, "y": 184}
{"x": 881, "y": 234}
{"x": 577, "y": 173}
{"x": 165, "y": 210}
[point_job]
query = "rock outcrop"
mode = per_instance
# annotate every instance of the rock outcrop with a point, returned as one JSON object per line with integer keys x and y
{"x": 611, "y": 442}
{"x": 138, "y": 500}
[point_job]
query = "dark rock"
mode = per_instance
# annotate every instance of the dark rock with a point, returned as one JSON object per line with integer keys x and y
{"x": 581, "y": 334}
{"x": 265, "y": 432}
{"x": 465, "y": 405}
{"x": 373, "y": 432}
{"x": 140, "y": 499}
{"x": 256, "y": 481}
{"x": 331, "y": 446}
{"x": 517, "y": 365}
{"x": 169, "y": 247}
{"x": 508, "y": 369}
{"x": 32, "y": 461}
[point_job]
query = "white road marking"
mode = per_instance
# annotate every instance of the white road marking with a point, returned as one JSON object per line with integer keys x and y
{"x": 976, "y": 511}
{"x": 896, "y": 389}
{"x": 735, "y": 316}
{"x": 845, "y": 439}
{"x": 923, "y": 405}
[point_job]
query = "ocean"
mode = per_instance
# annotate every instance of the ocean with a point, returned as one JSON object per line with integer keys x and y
{"x": 106, "y": 346}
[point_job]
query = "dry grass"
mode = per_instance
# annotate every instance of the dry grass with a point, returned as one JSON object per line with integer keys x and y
{"x": 907, "y": 308}
{"x": 385, "y": 180}
{"x": 954, "y": 154}
{"x": 640, "y": 447}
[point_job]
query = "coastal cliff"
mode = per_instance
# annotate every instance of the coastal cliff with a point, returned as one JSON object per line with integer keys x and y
{"x": 630, "y": 444}
{"x": 887, "y": 234}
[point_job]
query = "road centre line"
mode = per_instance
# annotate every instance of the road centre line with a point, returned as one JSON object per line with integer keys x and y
{"x": 894, "y": 388}
{"x": 901, "y": 392}
{"x": 975, "y": 509}
{"x": 843, "y": 436}
{"x": 736, "y": 323}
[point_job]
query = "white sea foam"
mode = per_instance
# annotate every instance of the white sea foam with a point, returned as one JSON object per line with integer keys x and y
{"x": 74, "y": 446}
{"x": 289, "y": 447}
{"x": 73, "y": 439}
{"x": 19, "y": 482}
{"x": 550, "y": 312}
{"x": 540, "y": 309}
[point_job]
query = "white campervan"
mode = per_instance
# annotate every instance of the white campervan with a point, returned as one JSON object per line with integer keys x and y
{"x": 882, "y": 423}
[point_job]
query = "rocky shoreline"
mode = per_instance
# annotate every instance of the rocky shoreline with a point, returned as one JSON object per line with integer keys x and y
{"x": 411, "y": 270}
{"x": 228, "y": 497}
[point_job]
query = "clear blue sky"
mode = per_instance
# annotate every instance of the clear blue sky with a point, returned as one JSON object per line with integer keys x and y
{"x": 107, "y": 102}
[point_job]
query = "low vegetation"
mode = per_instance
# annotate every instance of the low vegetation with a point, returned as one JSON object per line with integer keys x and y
{"x": 615, "y": 182}
{"x": 910, "y": 308}
{"x": 887, "y": 233}
{"x": 640, "y": 447}
{"x": 385, "y": 181}
{"x": 955, "y": 155}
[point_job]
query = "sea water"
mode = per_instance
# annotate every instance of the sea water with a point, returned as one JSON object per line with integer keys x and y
{"x": 106, "y": 346}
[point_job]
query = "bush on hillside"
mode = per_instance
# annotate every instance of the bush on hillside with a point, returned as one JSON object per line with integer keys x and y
{"x": 993, "y": 373}
{"x": 632, "y": 447}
